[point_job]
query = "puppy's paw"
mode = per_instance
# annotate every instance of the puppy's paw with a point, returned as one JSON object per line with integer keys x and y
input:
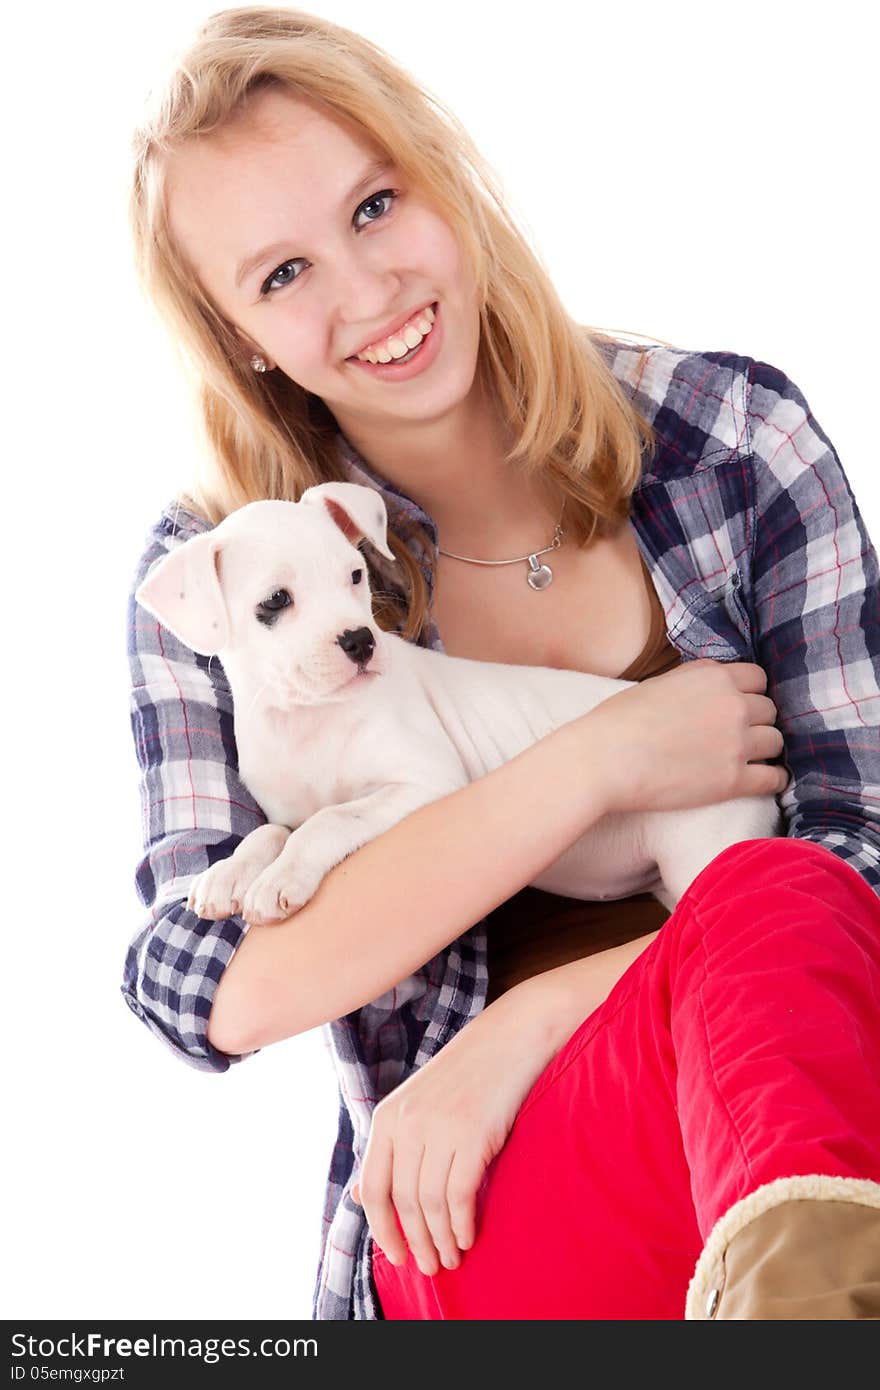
{"x": 275, "y": 895}
{"x": 216, "y": 893}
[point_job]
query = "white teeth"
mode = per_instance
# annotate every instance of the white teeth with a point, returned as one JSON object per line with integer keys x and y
{"x": 398, "y": 346}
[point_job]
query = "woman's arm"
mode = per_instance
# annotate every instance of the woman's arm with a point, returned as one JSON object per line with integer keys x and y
{"x": 816, "y": 623}
{"x": 195, "y": 810}
{"x": 687, "y": 738}
{"x": 566, "y": 995}
{"x": 393, "y": 904}
{"x": 432, "y": 1138}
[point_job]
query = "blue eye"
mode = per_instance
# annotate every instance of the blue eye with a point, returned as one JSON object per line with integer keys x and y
{"x": 269, "y": 285}
{"x": 378, "y": 198}
{"x": 283, "y": 276}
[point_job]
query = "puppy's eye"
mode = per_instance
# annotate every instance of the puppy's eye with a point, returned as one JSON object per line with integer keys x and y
{"x": 275, "y": 602}
{"x": 357, "y": 576}
{"x": 269, "y": 608}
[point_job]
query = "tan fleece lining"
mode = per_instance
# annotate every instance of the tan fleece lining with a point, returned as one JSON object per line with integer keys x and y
{"x": 816, "y": 1186}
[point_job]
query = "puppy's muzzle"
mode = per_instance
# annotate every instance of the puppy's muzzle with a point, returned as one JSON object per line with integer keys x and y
{"x": 357, "y": 644}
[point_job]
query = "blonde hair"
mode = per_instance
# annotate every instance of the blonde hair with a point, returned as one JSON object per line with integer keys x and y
{"x": 267, "y": 436}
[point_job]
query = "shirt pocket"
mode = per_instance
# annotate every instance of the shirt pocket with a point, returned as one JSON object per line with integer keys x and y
{"x": 719, "y": 626}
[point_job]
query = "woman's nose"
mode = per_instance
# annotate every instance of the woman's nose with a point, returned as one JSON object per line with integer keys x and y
{"x": 364, "y": 293}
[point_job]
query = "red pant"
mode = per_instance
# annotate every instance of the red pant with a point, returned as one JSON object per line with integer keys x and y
{"x": 743, "y": 1045}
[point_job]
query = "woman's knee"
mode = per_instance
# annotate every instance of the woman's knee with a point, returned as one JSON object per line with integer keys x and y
{"x": 769, "y": 895}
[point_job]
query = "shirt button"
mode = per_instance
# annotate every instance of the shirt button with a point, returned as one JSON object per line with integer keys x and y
{"x": 712, "y": 1303}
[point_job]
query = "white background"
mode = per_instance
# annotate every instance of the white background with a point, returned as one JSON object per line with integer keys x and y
{"x": 699, "y": 173}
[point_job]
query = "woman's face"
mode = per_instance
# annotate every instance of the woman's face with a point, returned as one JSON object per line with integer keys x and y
{"x": 297, "y": 237}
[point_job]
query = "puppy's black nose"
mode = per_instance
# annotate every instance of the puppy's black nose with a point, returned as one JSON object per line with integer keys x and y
{"x": 358, "y": 644}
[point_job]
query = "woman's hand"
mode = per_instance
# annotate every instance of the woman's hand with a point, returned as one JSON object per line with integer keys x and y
{"x": 693, "y": 736}
{"x": 433, "y": 1138}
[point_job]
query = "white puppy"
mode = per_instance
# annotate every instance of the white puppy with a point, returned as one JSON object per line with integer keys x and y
{"x": 343, "y": 729}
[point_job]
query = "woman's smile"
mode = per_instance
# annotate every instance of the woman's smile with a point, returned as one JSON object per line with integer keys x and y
{"x": 414, "y": 361}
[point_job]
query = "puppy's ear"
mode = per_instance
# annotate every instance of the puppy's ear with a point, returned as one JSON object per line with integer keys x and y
{"x": 358, "y": 511}
{"x": 183, "y": 591}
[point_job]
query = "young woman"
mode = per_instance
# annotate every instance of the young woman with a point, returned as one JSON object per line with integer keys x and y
{"x": 548, "y": 1110}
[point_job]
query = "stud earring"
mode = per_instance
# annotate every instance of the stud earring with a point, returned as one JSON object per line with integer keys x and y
{"x": 258, "y": 363}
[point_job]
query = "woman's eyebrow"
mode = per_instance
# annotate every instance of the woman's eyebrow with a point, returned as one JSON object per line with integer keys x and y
{"x": 266, "y": 253}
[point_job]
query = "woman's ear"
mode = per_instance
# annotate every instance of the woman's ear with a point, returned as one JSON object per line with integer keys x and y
{"x": 251, "y": 349}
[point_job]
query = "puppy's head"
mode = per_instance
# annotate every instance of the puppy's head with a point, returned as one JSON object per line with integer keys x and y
{"x": 280, "y": 592}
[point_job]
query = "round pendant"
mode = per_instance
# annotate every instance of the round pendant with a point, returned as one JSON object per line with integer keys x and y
{"x": 539, "y": 576}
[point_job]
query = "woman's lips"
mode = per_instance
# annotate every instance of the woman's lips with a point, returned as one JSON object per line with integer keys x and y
{"x": 411, "y": 320}
{"x": 425, "y": 354}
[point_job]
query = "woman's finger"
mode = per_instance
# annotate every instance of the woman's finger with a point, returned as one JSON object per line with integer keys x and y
{"x": 764, "y": 779}
{"x": 407, "y": 1162}
{"x": 433, "y": 1197}
{"x": 764, "y": 741}
{"x": 748, "y": 675}
{"x": 465, "y": 1177}
{"x": 761, "y": 709}
{"x": 375, "y": 1189}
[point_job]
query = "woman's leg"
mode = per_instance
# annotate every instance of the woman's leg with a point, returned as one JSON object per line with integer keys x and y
{"x": 741, "y": 1050}
{"x": 775, "y": 1021}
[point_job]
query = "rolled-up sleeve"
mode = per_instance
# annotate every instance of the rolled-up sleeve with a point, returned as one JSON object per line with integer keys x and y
{"x": 817, "y": 611}
{"x": 195, "y": 811}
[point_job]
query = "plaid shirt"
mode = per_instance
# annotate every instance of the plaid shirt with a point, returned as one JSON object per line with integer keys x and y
{"x": 757, "y": 549}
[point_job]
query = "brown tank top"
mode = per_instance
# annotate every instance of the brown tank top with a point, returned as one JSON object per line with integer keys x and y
{"x": 535, "y": 931}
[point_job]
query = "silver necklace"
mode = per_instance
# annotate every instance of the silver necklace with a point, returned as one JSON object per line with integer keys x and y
{"x": 539, "y": 576}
